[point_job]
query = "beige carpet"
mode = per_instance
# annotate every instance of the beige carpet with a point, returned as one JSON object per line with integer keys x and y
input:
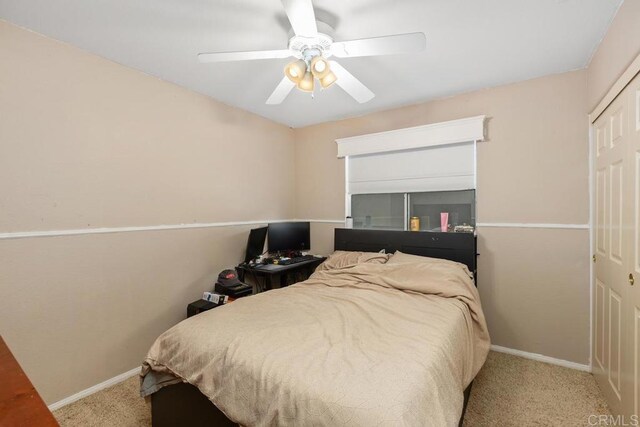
{"x": 509, "y": 391}
{"x": 120, "y": 405}
{"x": 512, "y": 391}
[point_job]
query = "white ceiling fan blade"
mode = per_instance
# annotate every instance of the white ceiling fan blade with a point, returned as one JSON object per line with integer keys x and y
{"x": 243, "y": 56}
{"x": 350, "y": 84}
{"x": 301, "y": 17}
{"x": 386, "y": 45}
{"x": 281, "y": 91}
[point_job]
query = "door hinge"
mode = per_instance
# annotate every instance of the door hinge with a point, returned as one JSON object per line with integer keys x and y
{"x": 594, "y": 257}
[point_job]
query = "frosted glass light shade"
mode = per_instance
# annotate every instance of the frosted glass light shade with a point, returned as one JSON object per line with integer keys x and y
{"x": 319, "y": 67}
{"x": 306, "y": 84}
{"x": 328, "y": 80}
{"x": 296, "y": 70}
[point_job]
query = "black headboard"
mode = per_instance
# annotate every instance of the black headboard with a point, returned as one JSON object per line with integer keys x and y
{"x": 459, "y": 247}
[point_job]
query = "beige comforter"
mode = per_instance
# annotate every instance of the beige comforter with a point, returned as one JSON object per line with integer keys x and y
{"x": 370, "y": 344}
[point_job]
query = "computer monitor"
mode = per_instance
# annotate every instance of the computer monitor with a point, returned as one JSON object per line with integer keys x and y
{"x": 255, "y": 244}
{"x": 289, "y": 236}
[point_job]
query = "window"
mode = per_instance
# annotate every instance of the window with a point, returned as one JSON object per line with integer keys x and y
{"x": 393, "y": 211}
{"x": 420, "y": 172}
{"x": 427, "y": 206}
{"x": 378, "y": 211}
{"x": 384, "y": 190}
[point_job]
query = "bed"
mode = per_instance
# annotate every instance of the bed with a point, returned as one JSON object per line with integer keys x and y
{"x": 366, "y": 343}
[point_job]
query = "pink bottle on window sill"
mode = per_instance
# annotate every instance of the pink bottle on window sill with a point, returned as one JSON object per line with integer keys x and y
{"x": 444, "y": 221}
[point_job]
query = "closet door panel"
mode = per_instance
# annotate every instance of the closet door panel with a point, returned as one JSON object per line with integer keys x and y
{"x": 614, "y": 373}
{"x": 599, "y": 330}
{"x": 618, "y": 124}
{"x": 601, "y": 212}
{"x": 617, "y": 201}
{"x": 601, "y": 138}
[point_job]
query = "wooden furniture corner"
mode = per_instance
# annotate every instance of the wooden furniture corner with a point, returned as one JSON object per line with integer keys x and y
{"x": 20, "y": 403}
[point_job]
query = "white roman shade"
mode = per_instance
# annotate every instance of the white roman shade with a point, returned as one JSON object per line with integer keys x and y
{"x": 446, "y": 167}
{"x": 437, "y": 157}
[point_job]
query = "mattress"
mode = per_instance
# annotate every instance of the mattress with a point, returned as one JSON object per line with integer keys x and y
{"x": 366, "y": 344}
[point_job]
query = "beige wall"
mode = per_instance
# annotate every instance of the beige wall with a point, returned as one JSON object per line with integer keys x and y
{"x": 532, "y": 169}
{"x": 88, "y": 143}
{"x": 618, "y": 49}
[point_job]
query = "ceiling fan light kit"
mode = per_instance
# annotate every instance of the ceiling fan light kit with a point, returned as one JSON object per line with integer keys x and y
{"x": 312, "y": 49}
{"x": 319, "y": 67}
{"x": 328, "y": 80}
{"x": 302, "y": 72}
{"x": 307, "y": 82}
{"x": 296, "y": 70}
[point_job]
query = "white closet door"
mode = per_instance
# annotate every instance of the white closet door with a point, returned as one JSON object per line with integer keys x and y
{"x": 616, "y": 338}
{"x": 611, "y": 299}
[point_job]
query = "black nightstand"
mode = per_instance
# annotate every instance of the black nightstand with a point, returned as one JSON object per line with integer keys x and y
{"x": 199, "y": 306}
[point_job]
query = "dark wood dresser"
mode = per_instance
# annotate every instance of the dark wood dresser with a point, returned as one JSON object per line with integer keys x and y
{"x": 20, "y": 403}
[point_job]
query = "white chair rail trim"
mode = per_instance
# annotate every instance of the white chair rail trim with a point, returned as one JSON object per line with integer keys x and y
{"x": 452, "y": 132}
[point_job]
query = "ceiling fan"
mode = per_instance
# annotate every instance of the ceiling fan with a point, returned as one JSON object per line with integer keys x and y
{"x": 312, "y": 50}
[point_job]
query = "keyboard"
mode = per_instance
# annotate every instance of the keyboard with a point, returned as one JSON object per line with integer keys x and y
{"x": 296, "y": 260}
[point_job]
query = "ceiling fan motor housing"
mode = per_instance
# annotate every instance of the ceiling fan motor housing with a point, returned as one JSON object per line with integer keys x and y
{"x": 308, "y": 47}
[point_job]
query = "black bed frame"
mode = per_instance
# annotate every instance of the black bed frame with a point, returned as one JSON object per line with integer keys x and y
{"x": 184, "y": 405}
{"x": 459, "y": 247}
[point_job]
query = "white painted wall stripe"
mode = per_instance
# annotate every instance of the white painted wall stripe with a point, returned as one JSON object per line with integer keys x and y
{"x": 485, "y": 224}
{"x": 107, "y": 230}
{"x": 83, "y": 231}
{"x": 531, "y": 225}
{"x": 323, "y": 221}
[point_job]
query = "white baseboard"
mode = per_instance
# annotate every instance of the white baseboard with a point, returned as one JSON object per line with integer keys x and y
{"x": 93, "y": 389}
{"x": 542, "y": 358}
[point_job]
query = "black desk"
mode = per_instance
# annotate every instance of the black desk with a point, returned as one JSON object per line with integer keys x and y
{"x": 268, "y": 271}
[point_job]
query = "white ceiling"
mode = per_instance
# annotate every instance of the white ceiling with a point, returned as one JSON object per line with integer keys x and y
{"x": 471, "y": 44}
